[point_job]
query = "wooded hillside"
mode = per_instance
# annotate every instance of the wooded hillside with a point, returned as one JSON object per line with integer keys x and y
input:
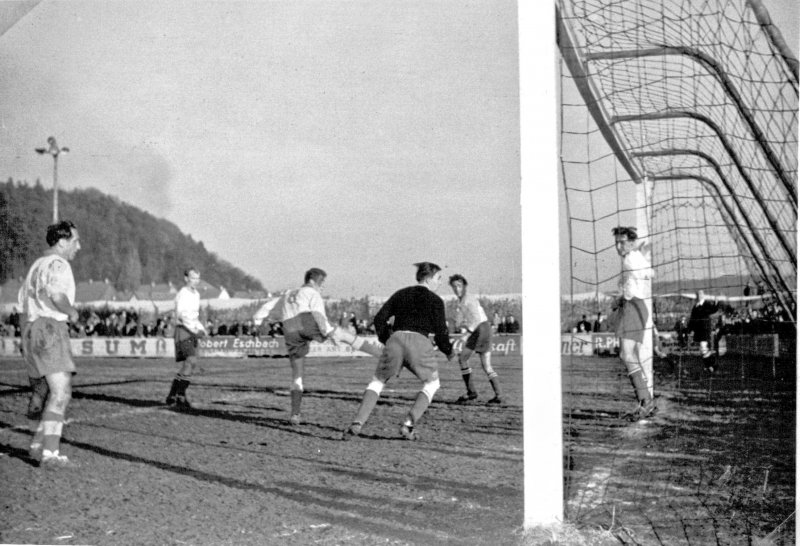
{"x": 121, "y": 243}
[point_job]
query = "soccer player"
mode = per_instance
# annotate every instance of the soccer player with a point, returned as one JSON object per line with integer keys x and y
{"x": 633, "y": 315}
{"x": 478, "y": 339}
{"x": 416, "y": 312}
{"x": 302, "y": 315}
{"x": 47, "y": 300}
{"x": 188, "y": 330}
{"x": 700, "y": 323}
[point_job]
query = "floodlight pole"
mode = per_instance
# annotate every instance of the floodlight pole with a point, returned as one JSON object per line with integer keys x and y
{"x": 53, "y": 150}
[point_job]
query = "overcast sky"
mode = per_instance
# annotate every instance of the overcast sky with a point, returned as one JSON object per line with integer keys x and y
{"x": 355, "y": 136}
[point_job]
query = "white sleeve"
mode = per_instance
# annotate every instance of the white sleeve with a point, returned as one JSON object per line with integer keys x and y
{"x": 317, "y": 307}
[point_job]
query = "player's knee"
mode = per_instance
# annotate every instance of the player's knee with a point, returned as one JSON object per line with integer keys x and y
{"x": 59, "y": 399}
{"x": 491, "y": 373}
{"x": 430, "y": 388}
{"x": 376, "y": 386}
{"x": 297, "y": 384}
{"x": 633, "y": 367}
{"x": 341, "y": 335}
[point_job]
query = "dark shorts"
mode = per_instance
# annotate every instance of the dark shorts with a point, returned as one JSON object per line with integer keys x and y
{"x": 480, "y": 341}
{"x": 632, "y": 320}
{"x": 299, "y": 332}
{"x": 46, "y": 348}
{"x": 411, "y": 350}
{"x": 185, "y": 344}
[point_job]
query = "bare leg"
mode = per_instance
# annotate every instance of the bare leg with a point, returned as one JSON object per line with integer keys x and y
{"x": 486, "y": 362}
{"x": 371, "y": 347}
{"x": 296, "y": 390}
{"x": 50, "y": 428}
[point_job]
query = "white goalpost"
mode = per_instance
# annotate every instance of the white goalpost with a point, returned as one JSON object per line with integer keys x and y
{"x": 542, "y": 412}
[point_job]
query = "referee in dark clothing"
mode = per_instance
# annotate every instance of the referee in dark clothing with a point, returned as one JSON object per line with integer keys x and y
{"x": 403, "y": 325}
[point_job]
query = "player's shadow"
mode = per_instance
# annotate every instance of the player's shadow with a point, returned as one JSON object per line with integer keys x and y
{"x": 306, "y": 429}
{"x": 13, "y": 389}
{"x": 99, "y": 397}
{"x": 18, "y": 453}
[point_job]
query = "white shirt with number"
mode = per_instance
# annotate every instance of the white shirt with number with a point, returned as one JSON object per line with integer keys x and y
{"x": 49, "y": 276}
{"x": 471, "y": 312}
{"x": 187, "y": 309}
{"x": 301, "y": 300}
{"x": 636, "y": 271}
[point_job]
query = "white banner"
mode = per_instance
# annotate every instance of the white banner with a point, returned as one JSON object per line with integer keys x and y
{"x": 118, "y": 347}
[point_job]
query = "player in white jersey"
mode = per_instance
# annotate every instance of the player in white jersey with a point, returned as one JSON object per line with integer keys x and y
{"x": 187, "y": 332}
{"x": 301, "y": 313}
{"x": 478, "y": 339}
{"x": 47, "y": 300}
{"x": 633, "y": 315}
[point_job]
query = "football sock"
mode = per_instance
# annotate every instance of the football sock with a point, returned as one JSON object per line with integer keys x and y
{"x": 297, "y": 400}
{"x": 38, "y": 435}
{"x": 495, "y": 384}
{"x": 173, "y": 389}
{"x": 52, "y": 425}
{"x": 420, "y": 405}
{"x": 466, "y": 375}
{"x": 367, "y": 405}
{"x": 183, "y": 384}
{"x": 639, "y": 382}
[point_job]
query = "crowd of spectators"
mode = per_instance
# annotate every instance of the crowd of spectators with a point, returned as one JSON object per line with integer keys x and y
{"x": 769, "y": 319}
{"x": 583, "y": 326}
{"x": 505, "y": 325}
{"x": 130, "y": 323}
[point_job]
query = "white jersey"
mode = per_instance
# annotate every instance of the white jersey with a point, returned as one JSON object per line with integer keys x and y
{"x": 636, "y": 272}
{"x": 301, "y": 300}
{"x": 187, "y": 309}
{"x": 49, "y": 276}
{"x": 469, "y": 311}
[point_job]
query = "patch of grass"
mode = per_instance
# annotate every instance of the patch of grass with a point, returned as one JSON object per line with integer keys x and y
{"x": 566, "y": 535}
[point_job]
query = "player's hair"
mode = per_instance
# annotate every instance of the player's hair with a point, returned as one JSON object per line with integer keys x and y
{"x": 426, "y": 270}
{"x": 314, "y": 273}
{"x": 189, "y": 270}
{"x": 61, "y": 230}
{"x": 628, "y": 232}
{"x": 457, "y": 277}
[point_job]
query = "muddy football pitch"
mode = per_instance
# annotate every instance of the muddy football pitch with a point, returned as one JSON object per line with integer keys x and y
{"x": 714, "y": 466}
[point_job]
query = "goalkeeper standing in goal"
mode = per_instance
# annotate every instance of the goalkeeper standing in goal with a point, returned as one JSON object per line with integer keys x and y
{"x": 633, "y": 315}
{"x": 477, "y": 339}
{"x": 404, "y": 323}
{"x": 301, "y": 313}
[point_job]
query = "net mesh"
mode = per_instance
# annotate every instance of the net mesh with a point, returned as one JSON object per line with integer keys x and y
{"x": 682, "y": 113}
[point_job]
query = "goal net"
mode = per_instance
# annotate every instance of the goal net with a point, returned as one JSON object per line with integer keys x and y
{"x": 679, "y": 117}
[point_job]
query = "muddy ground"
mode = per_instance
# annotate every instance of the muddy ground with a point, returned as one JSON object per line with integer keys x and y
{"x": 715, "y": 465}
{"x": 236, "y": 472}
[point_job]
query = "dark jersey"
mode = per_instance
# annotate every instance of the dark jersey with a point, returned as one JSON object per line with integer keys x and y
{"x": 415, "y": 309}
{"x": 700, "y": 320}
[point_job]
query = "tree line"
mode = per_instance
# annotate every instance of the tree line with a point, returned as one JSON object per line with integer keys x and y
{"x": 126, "y": 245}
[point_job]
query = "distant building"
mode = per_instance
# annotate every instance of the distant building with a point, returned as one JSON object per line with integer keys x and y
{"x": 86, "y": 291}
{"x": 251, "y": 294}
{"x": 210, "y": 292}
{"x": 155, "y": 292}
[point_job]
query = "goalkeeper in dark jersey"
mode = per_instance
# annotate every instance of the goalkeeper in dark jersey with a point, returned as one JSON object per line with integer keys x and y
{"x": 403, "y": 325}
